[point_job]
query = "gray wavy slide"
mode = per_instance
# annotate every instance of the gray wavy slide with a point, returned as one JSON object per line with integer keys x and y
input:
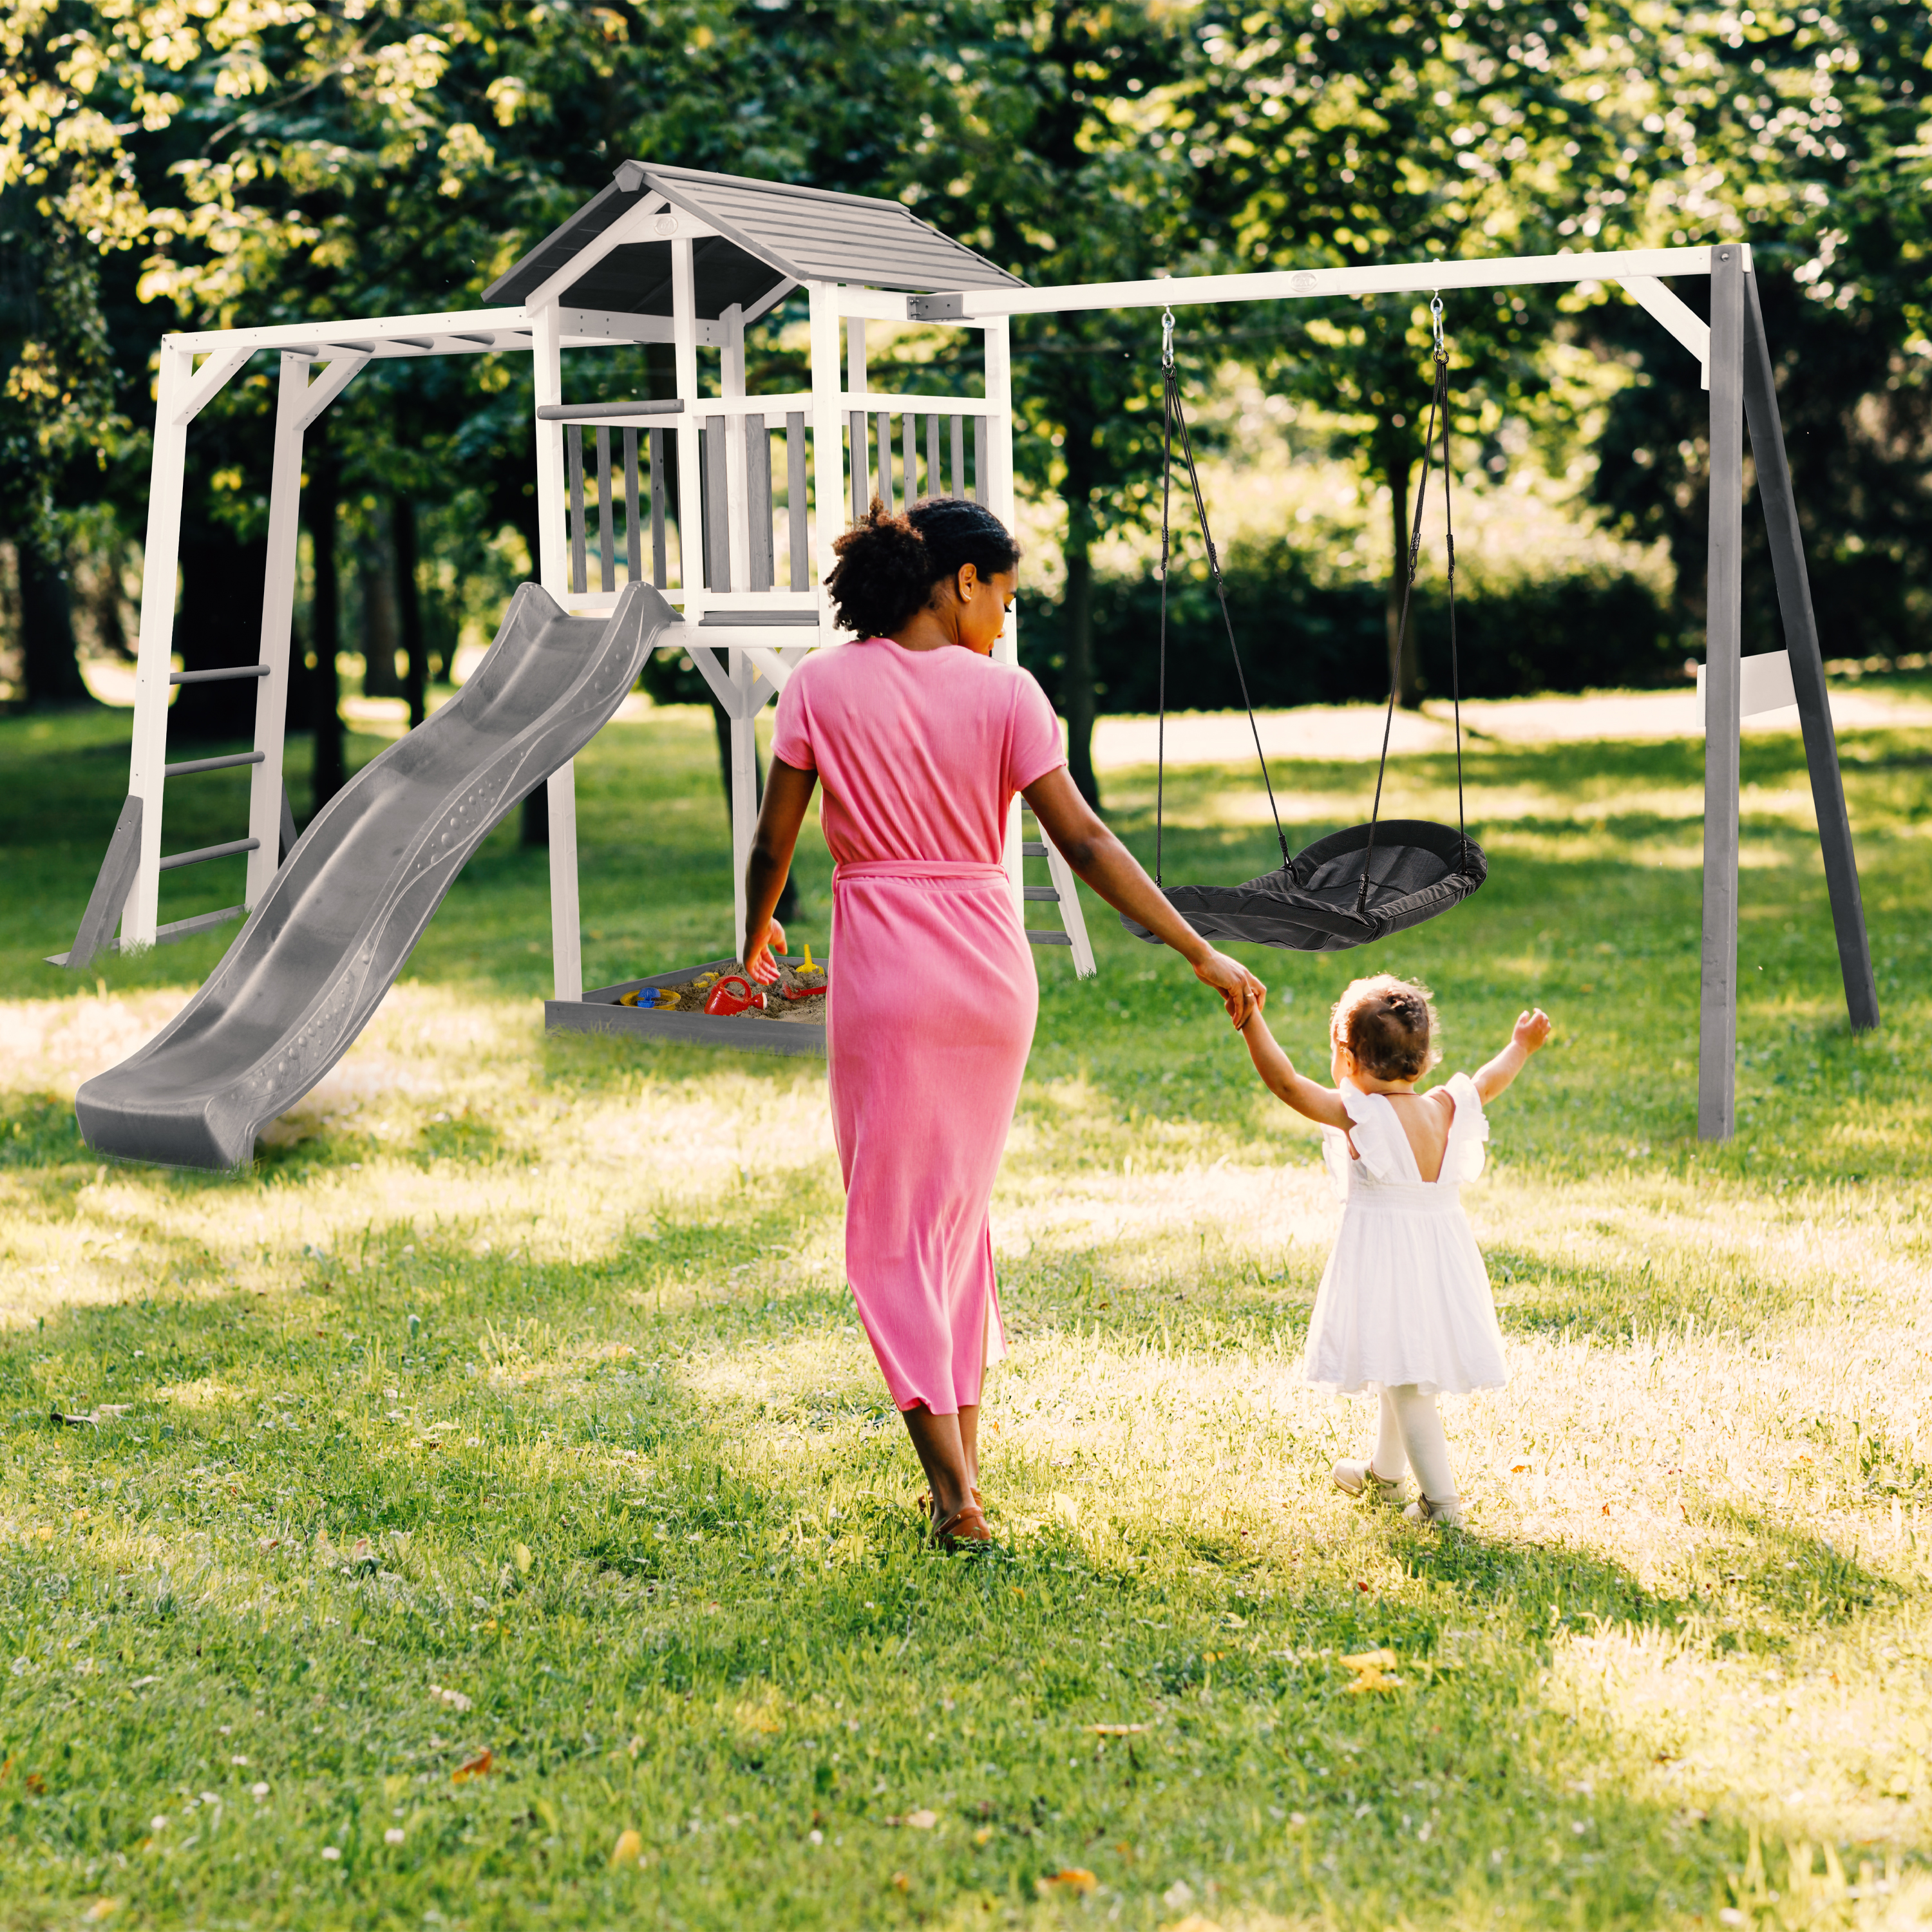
{"x": 316, "y": 956}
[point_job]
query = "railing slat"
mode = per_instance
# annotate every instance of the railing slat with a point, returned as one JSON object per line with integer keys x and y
{"x": 717, "y": 514}
{"x": 607, "y": 555}
{"x": 573, "y": 463}
{"x": 980, "y": 492}
{"x": 801, "y": 563}
{"x": 909, "y": 443}
{"x": 862, "y": 481}
{"x": 759, "y": 556}
{"x": 660, "y": 570}
{"x": 935, "y": 482}
{"x": 885, "y": 460}
{"x": 959, "y": 456}
{"x": 634, "y": 536}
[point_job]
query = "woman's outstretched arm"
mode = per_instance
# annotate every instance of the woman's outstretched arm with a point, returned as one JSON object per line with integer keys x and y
{"x": 1115, "y": 873}
{"x": 787, "y": 792}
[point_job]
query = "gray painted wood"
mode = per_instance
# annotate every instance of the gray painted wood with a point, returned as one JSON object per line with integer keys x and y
{"x": 115, "y": 881}
{"x": 634, "y": 535}
{"x": 1718, "y": 998}
{"x": 660, "y": 566}
{"x": 760, "y": 551}
{"x": 909, "y": 447}
{"x": 288, "y": 834}
{"x": 1807, "y": 666}
{"x": 573, "y": 465}
{"x": 886, "y": 461}
{"x": 717, "y": 530}
{"x": 935, "y": 478}
{"x": 956, "y": 483}
{"x": 795, "y": 505}
{"x": 607, "y": 532}
{"x": 862, "y": 481}
{"x": 978, "y": 492}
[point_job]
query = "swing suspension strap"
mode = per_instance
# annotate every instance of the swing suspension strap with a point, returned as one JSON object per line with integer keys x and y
{"x": 1175, "y": 419}
{"x": 1438, "y": 412}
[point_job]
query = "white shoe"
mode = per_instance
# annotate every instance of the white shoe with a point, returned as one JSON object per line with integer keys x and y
{"x": 1448, "y": 1509}
{"x": 1353, "y": 1479}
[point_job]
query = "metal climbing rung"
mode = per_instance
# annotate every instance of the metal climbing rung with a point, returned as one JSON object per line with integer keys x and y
{"x": 1047, "y": 893}
{"x": 216, "y": 676}
{"x": 1036, "y": 938}
{"x": 227, "y": 851}
{"x": 222, "y": 764}
{"x": 1032, "y": 848}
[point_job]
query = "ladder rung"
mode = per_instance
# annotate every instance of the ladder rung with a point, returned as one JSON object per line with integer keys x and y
{"x": 215, "y": 676}
{"x": 1032, "y": 848}
{"x": 1040, "y": 892}
{"x": 188, "y": 765}
{"x": 1039, "y": 938}
{"x": 211, "y": 852}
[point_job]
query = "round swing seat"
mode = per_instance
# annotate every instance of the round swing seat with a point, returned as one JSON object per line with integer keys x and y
{"x": 1417, "y": 869}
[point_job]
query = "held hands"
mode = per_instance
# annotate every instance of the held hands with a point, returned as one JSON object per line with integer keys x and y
{"x": 758, "y": 952}
{"x": 1241, "y": 993}
{"x": 1532, "y": 1029}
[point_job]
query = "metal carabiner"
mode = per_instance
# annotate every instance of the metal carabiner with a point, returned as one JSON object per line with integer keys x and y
{"x": 1435, "y": 316}
{"x": 1167, "y": 338}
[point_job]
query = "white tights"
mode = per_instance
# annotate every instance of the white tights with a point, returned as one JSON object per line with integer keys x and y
{"x": 1410, "y": 1437}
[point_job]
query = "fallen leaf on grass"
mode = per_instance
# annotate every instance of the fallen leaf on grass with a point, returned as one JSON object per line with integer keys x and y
{"x": 520, "y": 1554}
{"x": 1117, "y": 1730}
{"x": 920, "y": 1821}
{"x": 1371, "y": 1667}
{"x": 481, "y": 1766}
{"x": 900, "y": 1882}
{"x": 629, "y": 1847}
{"x": 37, "y": 1784}
{"x": 1074, "y": 1878}
{"x": 101, "y": 1908}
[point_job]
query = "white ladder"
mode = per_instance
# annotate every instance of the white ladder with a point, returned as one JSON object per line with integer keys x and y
{"x": 1072, "y": 930}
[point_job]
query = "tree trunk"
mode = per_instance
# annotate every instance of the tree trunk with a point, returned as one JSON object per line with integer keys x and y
{"x": 51, "y": 671}
{"x": 376, "y": 569}
{"x": 1406, "y": 675}
{"x": 219, "y": 627}
{"x": 408, "y": 610}
{"x": 1076, "y": 679}
{"x": 325, "y": 629}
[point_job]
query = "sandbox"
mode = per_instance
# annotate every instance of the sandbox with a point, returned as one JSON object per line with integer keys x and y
{"x": 791, "y": 1026}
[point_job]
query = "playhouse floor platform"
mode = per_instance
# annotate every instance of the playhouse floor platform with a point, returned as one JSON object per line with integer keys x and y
{"x": 598, "y": 1012}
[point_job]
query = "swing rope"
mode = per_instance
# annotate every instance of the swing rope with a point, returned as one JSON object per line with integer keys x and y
{"x": 1175, "y": 416}
{"x": 1438, "y": 410}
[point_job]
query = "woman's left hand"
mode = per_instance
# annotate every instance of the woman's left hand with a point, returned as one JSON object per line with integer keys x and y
{"x": 758, "y": 952}
{"x": 1241, "y": 993}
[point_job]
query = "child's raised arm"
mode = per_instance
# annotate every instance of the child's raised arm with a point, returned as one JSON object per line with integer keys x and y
{"x": 1532, "y": 1029}
{"x": 1278, "y": 1075}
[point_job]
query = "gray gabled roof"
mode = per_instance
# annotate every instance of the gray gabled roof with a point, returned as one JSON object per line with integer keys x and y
{"x": 768, "y": 233}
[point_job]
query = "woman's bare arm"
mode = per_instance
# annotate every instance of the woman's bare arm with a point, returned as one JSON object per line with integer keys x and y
{"x": 787, "y": 792}
{"x": 1322, "y": 1104}
{"x": 1099, "y": 858}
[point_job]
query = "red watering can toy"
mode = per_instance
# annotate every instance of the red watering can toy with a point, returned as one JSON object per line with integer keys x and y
{"x": 732, "y": 994}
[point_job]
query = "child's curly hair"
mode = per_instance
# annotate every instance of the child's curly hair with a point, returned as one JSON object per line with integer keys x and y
{"x": 1389, "y": 1025}
{"x": 887, "y": 565}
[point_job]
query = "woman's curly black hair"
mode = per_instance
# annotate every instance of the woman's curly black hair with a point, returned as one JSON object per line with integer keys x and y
{"x": 887, "y": 564}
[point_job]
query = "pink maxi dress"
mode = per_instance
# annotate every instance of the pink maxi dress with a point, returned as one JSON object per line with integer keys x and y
{"x": 933, "y": 995}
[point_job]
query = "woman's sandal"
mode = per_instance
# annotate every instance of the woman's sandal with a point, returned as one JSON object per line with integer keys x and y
{"x": 966, "y": 1524}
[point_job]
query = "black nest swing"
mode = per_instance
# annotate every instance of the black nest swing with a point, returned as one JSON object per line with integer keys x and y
{"x": 1354, "y": 886}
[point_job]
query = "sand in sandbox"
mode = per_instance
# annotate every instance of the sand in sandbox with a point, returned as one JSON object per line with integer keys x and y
{"x": 777, "y": 1008}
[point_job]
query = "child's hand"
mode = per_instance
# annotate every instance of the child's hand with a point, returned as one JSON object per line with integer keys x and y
{"x": 1531, "y": 1030}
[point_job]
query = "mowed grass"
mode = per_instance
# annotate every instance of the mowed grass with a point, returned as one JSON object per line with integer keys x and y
{"x": 494, "y": 1517}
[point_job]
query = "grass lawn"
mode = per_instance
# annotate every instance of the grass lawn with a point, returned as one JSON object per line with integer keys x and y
{"x": 495, "y": 1518}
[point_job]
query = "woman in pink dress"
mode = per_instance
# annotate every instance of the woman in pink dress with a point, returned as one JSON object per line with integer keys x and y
{"x": 922, "y": 740}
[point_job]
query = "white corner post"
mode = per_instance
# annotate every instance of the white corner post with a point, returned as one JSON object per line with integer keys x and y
{"x": 996, "y": 492}
{"x": 690, "y": 475}
{"x": 154, "y": 663}
{"x": 828, "y": 439}
{"x": 1718, "y": 999}
{"x": 744, "y": 676}
{"x": 278, "y": 606}
{"x": 553, "y": 565}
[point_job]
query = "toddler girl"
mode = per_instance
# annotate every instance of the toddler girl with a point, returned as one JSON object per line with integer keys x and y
{"x": 1405, "y": 1302}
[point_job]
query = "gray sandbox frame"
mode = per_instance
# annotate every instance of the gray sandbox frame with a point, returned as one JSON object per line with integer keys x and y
{"x": 600, "y": 1011}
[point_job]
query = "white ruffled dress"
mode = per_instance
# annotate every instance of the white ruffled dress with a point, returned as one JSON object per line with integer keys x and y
{"x": 1405, "y": 1298}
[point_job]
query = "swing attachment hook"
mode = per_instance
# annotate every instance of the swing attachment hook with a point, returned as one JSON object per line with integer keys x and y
{"x": 1167, "y": 338}
{"x": 1436, "y": 316}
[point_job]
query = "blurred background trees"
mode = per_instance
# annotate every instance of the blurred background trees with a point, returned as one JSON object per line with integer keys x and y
{"x": 161, "y": 168}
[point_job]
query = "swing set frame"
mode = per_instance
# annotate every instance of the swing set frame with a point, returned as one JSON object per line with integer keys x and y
{"x": 1737, "y": 371}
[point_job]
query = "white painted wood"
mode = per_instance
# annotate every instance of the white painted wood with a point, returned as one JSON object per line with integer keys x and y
{"x": 1300, "y": 284}
{"x": 1676, "y": 315}
{"x": 768, "y": 301}
{"x": 829, "y": 492}
{"x": 999, "y": 498}
{"x": 566, "y": 930}
{"x": 210, "y": 379}
{"x": 690, "y": 489}
{"x": 341, "y": 369}
{"x": 1073, "y": 919}
{"x": 153, "y": 664}
{"x": 881, "y": 304}
{"x": 735, "y": 544}
{"x": 384, "y": 332}
{"x": 278, "y": 604}
{"x": 744, "y": 792}
{"x": 641, "y": 223}
{"x": 895, "y": 402}
{"x": 592, "y": 328}
{"x": 1764, "y": 684}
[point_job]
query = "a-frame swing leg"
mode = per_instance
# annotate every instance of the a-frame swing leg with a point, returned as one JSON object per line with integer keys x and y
{"x": 1807, "y": 667}
{"x": 1724, "y": 619}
